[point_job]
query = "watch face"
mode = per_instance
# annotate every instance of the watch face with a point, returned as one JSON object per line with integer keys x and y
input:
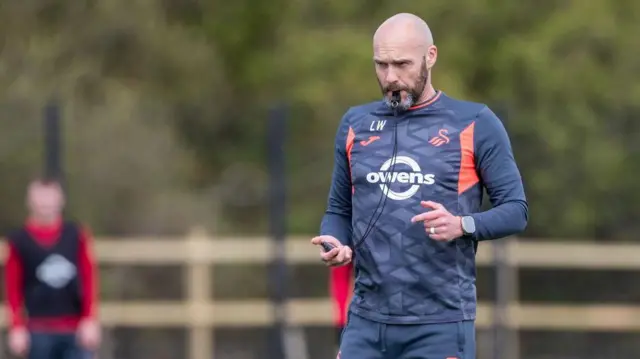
{"x": 468, "y": 225}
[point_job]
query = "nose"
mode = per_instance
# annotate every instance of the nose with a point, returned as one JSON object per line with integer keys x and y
{"x": 391, "y": 77}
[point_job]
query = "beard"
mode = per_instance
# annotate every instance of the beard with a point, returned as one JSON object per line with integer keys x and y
{"x": 413, "y": 93}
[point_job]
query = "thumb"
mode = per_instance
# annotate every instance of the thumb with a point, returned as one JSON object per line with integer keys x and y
{"x": 326, "y": 239}
{"x": 332, "y": 240}
{"x": 317, "y": 240}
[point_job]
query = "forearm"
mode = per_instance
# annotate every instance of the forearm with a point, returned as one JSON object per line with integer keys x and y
{"x": 337, "y": 219}
{"x": 337, "y": 225}
{"x": 502, "y": 180}
{"x": 501, "y": 221}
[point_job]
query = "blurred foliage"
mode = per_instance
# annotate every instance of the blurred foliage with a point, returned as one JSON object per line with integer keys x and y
{"x": 165, "y": 103}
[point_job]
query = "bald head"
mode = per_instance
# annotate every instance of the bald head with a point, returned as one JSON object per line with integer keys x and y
{"x": 406, "y": 28}
{"x": 404, "y": 54}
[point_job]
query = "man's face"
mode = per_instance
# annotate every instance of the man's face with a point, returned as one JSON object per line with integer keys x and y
{"x": 401, "y": 68}
{"x": 45, "y": 201}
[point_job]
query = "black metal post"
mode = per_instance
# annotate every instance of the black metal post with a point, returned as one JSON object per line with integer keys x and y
{"x": 52, "y": 142}
{"x": 277, "y": 218}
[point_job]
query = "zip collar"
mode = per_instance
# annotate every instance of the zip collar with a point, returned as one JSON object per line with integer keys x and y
{"x": 383, "y": 109}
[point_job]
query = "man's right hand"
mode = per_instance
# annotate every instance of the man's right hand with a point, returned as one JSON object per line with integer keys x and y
{"x": 338, "y": 256}
{"x": 19, "y": 341}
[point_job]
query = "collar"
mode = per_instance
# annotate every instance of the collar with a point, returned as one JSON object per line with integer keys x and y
{"x": 383, "y": 109}
{"x": 34, "y": 226}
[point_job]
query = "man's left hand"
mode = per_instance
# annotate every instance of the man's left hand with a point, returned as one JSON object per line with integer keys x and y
{"x": 89, "y": 334}
{"x": 439, "y": 223}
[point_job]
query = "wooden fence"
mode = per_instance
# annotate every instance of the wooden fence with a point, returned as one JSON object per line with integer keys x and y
{"x": 200, "y": 313}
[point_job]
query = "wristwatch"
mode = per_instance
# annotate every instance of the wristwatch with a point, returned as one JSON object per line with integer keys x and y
{"x": 468, "y": 226}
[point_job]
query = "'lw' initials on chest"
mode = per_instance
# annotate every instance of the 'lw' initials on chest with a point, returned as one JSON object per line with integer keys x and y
{"x": 377, "y": 125}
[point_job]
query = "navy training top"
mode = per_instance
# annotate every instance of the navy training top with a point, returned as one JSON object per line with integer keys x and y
{"x": 447, "y": 151}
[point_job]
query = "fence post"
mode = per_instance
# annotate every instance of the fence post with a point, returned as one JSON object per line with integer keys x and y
{"x": 276, "y": 133}
{"x": 201, "y": 339}
{"x": 505, "y": 336}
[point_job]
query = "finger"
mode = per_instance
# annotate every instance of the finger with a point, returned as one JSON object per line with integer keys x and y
{"x": 326, "y": 239}
{"x": 333, "y": 241}
{"x": 438, "y": 237}
{"x": 436, "y": 223}
{"x": 437, "y": 229}
{"x": 428, "y": 216}
{"x": 327, "y": 256}
{"x": 432, "y": 231}
{"x": 318, "y": 239}
{"x": 431, "y": 204}
{"x": 338, "y": 264}
{"x": 340, "y": 256}
{"x": 326, "y": 246}
{"x": 348, "y": 253}
{"x": 330, "y": 254}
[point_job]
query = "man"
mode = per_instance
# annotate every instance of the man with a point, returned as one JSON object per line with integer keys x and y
{"x": 51, "y": 274}
{"x": 405, "y": 204}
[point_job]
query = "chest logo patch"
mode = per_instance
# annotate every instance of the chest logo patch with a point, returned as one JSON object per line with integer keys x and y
{"x": 56, "y": 271}
{"x": 408, "y": 180}
{"x": 440, "y": 139}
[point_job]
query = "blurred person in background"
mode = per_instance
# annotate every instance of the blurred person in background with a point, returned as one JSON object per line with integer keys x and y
{"x": 51, "y": 276}
{"x": 405, "y": 204}
{"x": 341, "y": 287}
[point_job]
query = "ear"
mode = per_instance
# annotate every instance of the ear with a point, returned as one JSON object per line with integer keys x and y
{"x": 432, "y": 56}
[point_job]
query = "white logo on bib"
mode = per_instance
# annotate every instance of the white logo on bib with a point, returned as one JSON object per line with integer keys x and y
{"x": 56, "y": 271}
{"x": 415, "y": 178}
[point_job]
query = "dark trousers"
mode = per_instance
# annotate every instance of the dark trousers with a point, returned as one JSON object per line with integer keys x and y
{"x": 365, "y": 339}
{"x": 56, "y": 346}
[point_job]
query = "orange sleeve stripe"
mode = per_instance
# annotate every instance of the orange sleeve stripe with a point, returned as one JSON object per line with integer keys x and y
{"x": 351, "y": 137}
{"x": 468, "y": 176}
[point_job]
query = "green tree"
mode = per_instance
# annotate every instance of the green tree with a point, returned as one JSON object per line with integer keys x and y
{"x": 564, "y": 74}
